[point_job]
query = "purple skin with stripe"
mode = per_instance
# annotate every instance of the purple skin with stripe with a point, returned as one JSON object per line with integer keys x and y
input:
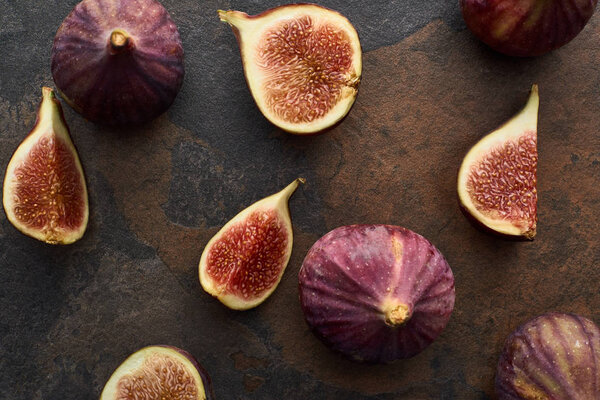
{"x": 118, "y": 62}
{"x": 552, "y": 357}
{"x": 526, "y": 28}
{"x": 376, "y": 293}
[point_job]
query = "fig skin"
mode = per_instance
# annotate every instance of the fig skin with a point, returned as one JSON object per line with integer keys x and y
{"x": 554, "y": 356}
{"x": 136, "y": 360}
{"x": 251, "y": 271}
{"x": 60, "y": 210}
{"x": 376, "y": 293}
{"x": 526, "y": 28}
{"x": 118, "y": 68}
{"x": 517, "y": 182}
{"x": 252, "y": 32}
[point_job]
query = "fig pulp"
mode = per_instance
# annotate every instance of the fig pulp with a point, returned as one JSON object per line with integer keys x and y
{"x": 118, "y": 62}
{"x": 552, "y": 357}
{"x": 159, "y": 373}
{"x": 497, "y": 179}
{"x": 526, "y": 27}
{"x": 244, "y": 262}
{"x": 376, "y": 293}
{"x": 45, "y": 194}
{"x": 302, "y": 63}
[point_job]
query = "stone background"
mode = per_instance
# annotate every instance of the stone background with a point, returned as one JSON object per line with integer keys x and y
{"x": 70, "y": 315}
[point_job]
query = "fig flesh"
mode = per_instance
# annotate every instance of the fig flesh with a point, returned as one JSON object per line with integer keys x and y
{"x": 244, "y": 262}
{"x": 554, "y": 356}
{"x": 526, "y": 28}
{"x": 118, "y": 62}
{"x": 45, "y": 194}
{"x": 497, "y": 181}
{"x": 376, "y": 293}
{"x": 159, "y": 372}
{"x": 302, "y": 62}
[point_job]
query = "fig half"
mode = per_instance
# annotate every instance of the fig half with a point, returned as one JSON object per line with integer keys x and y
{"x": 118, "y": 62}
{"x": 497, "y": 181}
{"x": 376, "y": 293}
{"x": 302, "y": 62}
{"x": 159, "y": 373}
{"x": 244, "y": 262}
{"x": 45, "y": 194}
{"x": 554, "y": 356}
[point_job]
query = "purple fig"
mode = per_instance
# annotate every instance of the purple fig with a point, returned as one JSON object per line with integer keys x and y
{"x": 551, "y": 357}
{"x": 526, "y": 27}
{"x": 118, "y": 62}
{"x": 376, "y": 293}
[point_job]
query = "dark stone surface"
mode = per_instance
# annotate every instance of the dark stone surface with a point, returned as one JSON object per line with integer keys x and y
{"x": 71, "y": 314}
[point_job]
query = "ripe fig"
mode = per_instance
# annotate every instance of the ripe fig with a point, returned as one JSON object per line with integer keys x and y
{"x": 244, "y": 262}
{"x": 526, "y": 28}
{"x": 497, "y": 178}
{"x": 302, "y": 63}
{"x": 118, "y": 62}
{"x": 552, "y": 357}
{"x": 376, "y": 293}
{"x": 159, "y": 372}
{"x": 45, "y": 194}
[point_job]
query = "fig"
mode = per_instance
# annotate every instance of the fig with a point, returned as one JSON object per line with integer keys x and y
{"x": 554, "y": 356}
{"x": 526, "y": 28}
{"x": 45, "y": 194}
{"x": 118, "y": 62}
{"x": 376, "y": 293}
{"x": 243, "y": 263}
{"x": 159, "y": 373}
{"x": 497, "y": 179}
{"x": 302, "y": 63}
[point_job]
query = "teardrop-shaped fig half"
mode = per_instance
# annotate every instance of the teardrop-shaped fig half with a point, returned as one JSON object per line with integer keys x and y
{"x": 159, "y": 373}
{"x": 118, "y": 62}
{"x": 376, "y": 293}
{"x": 45, "y": 194}
{"x": 302, "y": 62}
{"x": 244, "y": 262}
{"x": 554, "y": 356}
{"x": 497, "y": 181}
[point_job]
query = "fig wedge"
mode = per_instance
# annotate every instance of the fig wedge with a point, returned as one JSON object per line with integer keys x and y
{"x": 244, "y": 262}
{"x": 159, "y": 372}
{"x": 45, "y": 194}
{"x": 497, "y": 181}
{"x": 302, "y": 62}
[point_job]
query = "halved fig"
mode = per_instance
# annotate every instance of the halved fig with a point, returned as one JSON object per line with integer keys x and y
{"x": 45, "y": 194}
{"x": 244, "y": 262}
{"x": 497, "y": 179}
{"x": 302, "y": 62}
{"x": 118, "y": 62}
{"x": 159, "y": 373}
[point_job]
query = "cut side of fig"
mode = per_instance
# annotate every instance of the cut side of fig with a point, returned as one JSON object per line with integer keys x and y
{"x": 244, "y": 262}
{"x": 118, "y": 62}
{"x": 159, "y": 373}
{"x": 302, "y": 62}
{"x": 376, "y": 293}
{"x": 554, "y": 356}
{"x": 497, "y": 181}
{"x": 45, "y": 194}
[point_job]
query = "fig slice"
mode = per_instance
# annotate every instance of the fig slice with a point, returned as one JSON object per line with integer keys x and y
{"x": 244, "y": 262}
{"x": 497, "y": 182}
{"x": 159, "y": 372}
{"x": 302, "y": 62}
{"x": 45, "y": 194}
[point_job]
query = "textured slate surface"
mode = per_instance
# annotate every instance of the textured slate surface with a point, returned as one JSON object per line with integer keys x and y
{"x": 70, "y": 315}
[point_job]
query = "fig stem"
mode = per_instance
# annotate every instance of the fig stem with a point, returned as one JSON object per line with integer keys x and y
{"x": 119, "y": 40}
{"x": 398, "y": 315}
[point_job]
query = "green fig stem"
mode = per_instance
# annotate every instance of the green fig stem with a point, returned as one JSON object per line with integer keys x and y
{"x": 291, "y": 188}
{"x": 119, "y": 41}
{"x": 398, "y": 315}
